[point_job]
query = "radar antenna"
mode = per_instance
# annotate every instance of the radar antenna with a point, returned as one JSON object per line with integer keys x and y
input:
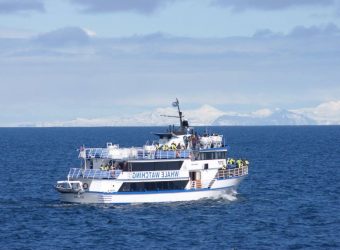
{"x": 180, "y": 115}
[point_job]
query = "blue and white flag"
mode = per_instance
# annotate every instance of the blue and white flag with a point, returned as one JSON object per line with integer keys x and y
{"x": 175, "y": 104}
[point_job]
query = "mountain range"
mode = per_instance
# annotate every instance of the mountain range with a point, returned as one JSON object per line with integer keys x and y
{"x": 323, "y": 114}
{"x": 277, "y": 117}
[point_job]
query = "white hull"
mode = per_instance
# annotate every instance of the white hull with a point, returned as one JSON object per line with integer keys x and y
{"x": 221, "y": 187}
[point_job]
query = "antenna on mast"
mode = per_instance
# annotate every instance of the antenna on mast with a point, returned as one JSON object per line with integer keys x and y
{"x": 182, "y": 123}
{"x": 180, "y": 115}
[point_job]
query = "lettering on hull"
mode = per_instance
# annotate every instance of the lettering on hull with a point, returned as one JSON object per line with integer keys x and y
{"x": 155, "y": 175}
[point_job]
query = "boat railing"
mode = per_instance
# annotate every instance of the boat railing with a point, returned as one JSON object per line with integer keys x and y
{"x": 164, "y": 154}
{"x": 134, "y": 154}
{"x": 232, "y": 173}
{"x": 95, "y": 153}
{"x": 76, "y": 173}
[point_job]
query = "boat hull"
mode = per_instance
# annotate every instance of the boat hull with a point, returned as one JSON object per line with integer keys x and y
{"x": 221, "y": 187}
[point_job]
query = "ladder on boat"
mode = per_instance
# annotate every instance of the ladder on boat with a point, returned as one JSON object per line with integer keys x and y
{"x": 196, "y": 184}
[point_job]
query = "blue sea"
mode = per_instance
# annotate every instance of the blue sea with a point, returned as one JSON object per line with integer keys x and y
{"x": 290, "y": 200}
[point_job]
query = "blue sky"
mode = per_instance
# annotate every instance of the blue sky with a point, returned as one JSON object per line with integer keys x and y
{"x": 60, "y": 60}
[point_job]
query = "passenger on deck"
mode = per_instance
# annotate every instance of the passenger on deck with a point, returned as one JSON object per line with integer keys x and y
{"x": 185, "y": 141}
{"x": 116, "y": 165}
{"x": 194, "y": 141}
{"x": 179, "y": 146}
{"x": 125, "y": 166}
{"x": 239, "y": 163}
{"x": 231, "y": 161}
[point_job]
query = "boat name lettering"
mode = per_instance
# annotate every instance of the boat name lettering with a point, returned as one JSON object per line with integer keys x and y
{"x": 155, "y": 174}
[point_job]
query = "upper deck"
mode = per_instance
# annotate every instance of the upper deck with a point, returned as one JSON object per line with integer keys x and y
{"x": 133, "y": 154}
{"x": 147, "y": 154}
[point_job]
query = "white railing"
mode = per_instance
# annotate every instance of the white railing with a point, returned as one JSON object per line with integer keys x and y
{"x": 96, "y": 152}
{"x": 231, "y": 173}
{"x": 137, "y": 154}
{"x": 76, "y": 173}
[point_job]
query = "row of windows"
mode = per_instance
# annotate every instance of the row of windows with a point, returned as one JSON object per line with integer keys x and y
{"x": 212, "y": 155}
{"x": 152, "y": 186}
{"x": 156, "y": 166}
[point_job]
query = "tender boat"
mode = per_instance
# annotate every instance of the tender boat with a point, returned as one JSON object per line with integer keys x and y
{"x": 181, "y": 165}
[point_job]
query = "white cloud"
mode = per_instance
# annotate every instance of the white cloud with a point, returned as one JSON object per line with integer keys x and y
{"x": 89, "y": 32}
{"x": 270, "y": 5}
{"x": 325, "y": 113}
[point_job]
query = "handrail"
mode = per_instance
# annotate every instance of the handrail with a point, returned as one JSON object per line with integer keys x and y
{"x": 136, "y": 154}
{"x": 76, "y": 173}
{"x": 95, "y": 153}
{"x": 231, "y": 173}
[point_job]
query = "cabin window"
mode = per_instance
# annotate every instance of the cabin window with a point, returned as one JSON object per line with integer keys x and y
{"x": 156, "y": 166}
{"x": 152, "y": 186}
{"x": 212, "y": 155}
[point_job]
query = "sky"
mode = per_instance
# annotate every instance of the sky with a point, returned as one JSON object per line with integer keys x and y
{"x": 68, "y": 59}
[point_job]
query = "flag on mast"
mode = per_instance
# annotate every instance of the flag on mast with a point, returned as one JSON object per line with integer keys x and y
{"x": 175, "y": 104}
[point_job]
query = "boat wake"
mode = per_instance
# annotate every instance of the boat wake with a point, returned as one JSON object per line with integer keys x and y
{"x": 230, "y": 195}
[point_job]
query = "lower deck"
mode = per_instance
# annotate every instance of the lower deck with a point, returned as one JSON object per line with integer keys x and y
{"x": 151, "y": 181}
{"x": 226, "y": 186}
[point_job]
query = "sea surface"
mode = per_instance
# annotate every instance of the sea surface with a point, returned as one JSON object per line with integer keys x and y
{"x": 290, "y": 200}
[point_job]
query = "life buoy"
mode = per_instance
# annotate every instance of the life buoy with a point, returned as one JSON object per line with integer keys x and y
{"x": 85, "y": 186}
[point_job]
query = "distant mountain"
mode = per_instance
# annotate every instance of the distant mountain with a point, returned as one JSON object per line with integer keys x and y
{"x": 202, "y": 116}
{"x": 276, "y": 117}
{"x": 206, "y": 115}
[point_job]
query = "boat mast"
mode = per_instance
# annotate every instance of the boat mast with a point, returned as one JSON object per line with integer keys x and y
{"x": 180, "y": 115}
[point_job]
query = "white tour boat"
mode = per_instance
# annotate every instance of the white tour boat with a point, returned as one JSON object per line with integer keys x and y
{"x": 180, "y": 166}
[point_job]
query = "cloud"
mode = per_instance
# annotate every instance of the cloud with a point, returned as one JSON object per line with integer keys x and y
{"x": 68, "y": 36}
{"x": 264, "y": 47}
{"x": 142, "y": 72}
{"x": 241, "y": 5}
{"x": 15, "y": 6}
{"x": 315, "y": 31}
{"x": 104, "y": 6}
{"x": 324, "y": 113}
{"x": 301, "y": 32}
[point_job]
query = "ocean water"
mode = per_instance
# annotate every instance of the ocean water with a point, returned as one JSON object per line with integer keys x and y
{"x": 290, "y": 200}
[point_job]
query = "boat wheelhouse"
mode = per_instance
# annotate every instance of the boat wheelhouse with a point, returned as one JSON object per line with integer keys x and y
{"x": 180, "y": 166}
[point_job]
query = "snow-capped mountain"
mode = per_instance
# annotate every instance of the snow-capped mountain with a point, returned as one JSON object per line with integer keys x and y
{"x": 204, "y": 115}
{"x": 276, "y": 117}
{"x": 324, "y": 114}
